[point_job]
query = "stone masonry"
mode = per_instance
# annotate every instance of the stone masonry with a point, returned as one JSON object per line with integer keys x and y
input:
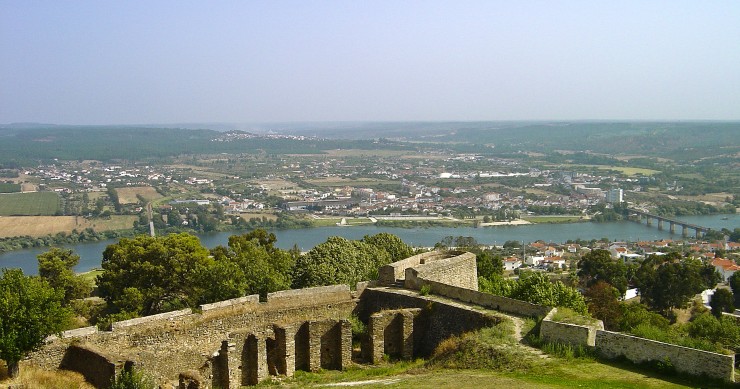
{"x": 391, "y": 332}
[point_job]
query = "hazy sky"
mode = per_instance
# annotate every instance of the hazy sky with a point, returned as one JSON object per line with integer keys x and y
{"x": 125, "y": 62}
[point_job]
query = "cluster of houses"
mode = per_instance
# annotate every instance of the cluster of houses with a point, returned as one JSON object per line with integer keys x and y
{"x": 548, "y": 256}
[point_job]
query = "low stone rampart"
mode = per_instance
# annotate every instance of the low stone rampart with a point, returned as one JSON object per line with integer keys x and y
{"x": 396, "y": 271}
{"x": 456, "y": 269}
{"x": 687, "y": 360}
{"x": 318, "y": 295}
{"x": 150, "y": 319}
{"x": 573, "y": 334}
{"x": 236, "y": 303}
{"x": 75, "y": 333}
{"x": 499, "y": 303}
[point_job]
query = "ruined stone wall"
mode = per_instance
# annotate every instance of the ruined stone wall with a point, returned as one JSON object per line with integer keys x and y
{"x": 392, "y": 333}
{"x": 499, "y": 303}
{"x": 396, "y": 271}
{"x": 437, "y": 320}
{"x": 684, "y": 359}
{"x": 167, "y": 347}
{"x": 576, "y": 335}
{"x": 94, "y": 364}
{"x": 458, "y": 270}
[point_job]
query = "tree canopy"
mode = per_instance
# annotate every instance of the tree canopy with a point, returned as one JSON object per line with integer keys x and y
{"x": 30, "y": 310}
{"x": 55, "y": 266}
{"x": 669, "y": 281}
{"x": 536, "y": 288}
{"x": 339, "y": 261}
{"x": 147, "y": 275}
{"x": 598, "y": 265}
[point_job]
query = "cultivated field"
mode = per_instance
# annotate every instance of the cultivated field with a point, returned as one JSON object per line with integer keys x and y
{"x": 250, "y": 215}
{"x": 45, "y": 225}
{"x": 338, "y": 181}
{"x": 273, "y": 186}
{"x": 128, "y": 195}
{"x": 36, "y": 203}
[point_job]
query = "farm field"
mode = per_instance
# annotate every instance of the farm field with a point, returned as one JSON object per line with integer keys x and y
{"x": 36, "y": 203}
{"x": 44, "y": 225}
{"x": 258, "y": 215}
{"x": 628, "y": 171}
{"x": 709, "y": 198}
{"x": 368, "y": 153}
{"x": 128, "y": 195}
{"x": 9, "y": 188}
{"x": 337, "y": 181}
{"x": 555, "y": 219}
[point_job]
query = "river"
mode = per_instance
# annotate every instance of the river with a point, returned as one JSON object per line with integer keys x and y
{"x": 91, "y": 253}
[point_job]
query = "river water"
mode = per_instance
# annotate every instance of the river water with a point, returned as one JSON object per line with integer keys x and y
{"x": 91, "y": 253}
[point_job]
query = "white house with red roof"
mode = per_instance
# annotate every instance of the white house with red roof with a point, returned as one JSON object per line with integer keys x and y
{"x": 725, "y": 267}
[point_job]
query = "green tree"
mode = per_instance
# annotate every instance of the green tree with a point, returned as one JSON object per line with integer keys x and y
{"x": 734, "y": 282}
{"x": 338, "y": 261}
{"x": 635, "y": 314}
{"x": 30, "y": 310}
{"x": 536, "y": 288}
{"x": 391, "y": 244}
{"x": 722, "y": 301}
{"x": 164, "y": 270}
{"x": 55, "y": 266}
{"x": 598, "y": 265}
{"x": 251, "y": 264}
{"x": 489, "y": 264}
{"x": 669, "y": 281}
{"x": 603, "y": 304}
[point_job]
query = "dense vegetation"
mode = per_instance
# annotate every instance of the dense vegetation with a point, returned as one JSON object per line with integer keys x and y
{"x": 30, "y": 310}
{"x": 31, "y": 146}
{"x": 147, "y": 275}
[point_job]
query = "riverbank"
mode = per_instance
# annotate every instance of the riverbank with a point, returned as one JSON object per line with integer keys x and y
{"x": 518, "y": 222}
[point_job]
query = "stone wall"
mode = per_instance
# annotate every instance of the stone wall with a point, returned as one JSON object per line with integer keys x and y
{"x": 396, "y": 271}
{"x": 576, "y": 335}
{"x": 687, "y": 360}
{"x": 249, "y": 357}
{"x": 149, "y": 319}
{"x": 165, "y": 348}
{"x": 499, "y": 303}
{"x": 458, "y": 269}
{"x": 98, "y": 367}
{"x": 230, "y": 304}
{"x": 390, "y": 333}
{"x": 436, "y": 321}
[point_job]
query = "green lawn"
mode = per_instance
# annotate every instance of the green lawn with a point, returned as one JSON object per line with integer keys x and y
{"x": 30, "y": 204}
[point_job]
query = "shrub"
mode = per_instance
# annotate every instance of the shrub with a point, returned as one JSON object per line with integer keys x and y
{"x": 132, "y": 379}
{"x": 425, "y": 290}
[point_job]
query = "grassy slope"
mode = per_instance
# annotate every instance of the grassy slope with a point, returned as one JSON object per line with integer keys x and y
{"x": 552, "y": 373}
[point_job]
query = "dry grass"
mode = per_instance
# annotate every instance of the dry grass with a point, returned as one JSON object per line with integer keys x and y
{"x": 276, "y": 184}
{"x": 269, "y": 216}
{"x": 711, "y": 198}
{"x": 128, "y": 195}
{"x": 33, "y": 377}
{"x": 44, "y": 225}
{"x": 369, "y": 153}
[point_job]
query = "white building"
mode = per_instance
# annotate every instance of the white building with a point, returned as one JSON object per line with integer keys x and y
{"x": 614, "y": 196}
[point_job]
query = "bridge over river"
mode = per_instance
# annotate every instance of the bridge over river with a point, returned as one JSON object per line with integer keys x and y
{"x": 638, "y": 215}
